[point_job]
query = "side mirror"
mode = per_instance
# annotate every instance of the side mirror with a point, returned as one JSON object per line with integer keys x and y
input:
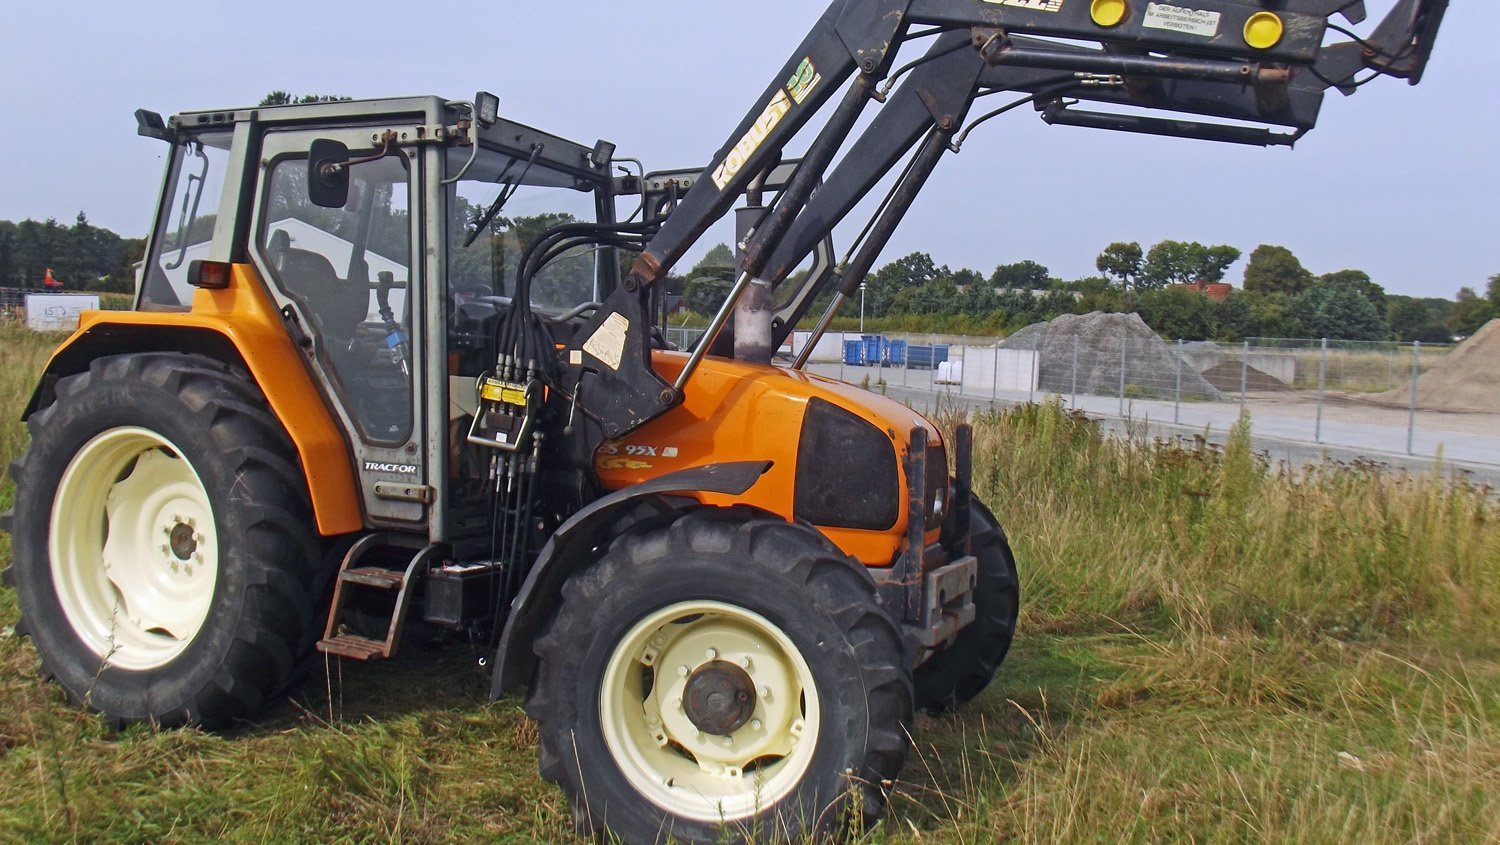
{"x": 328, "y": 174}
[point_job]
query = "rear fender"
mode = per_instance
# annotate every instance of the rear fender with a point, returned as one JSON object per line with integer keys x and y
{"x": 571, "y": 546}
{"x": 238, "y": 326}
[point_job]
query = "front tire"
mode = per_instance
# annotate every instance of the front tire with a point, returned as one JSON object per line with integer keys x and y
{"x": 165, "y": 565}
{"x": 721, "y": 674}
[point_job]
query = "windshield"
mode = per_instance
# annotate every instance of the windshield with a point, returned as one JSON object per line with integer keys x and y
{"x": 498, "y": 210}
{"x": 185, "y": 227}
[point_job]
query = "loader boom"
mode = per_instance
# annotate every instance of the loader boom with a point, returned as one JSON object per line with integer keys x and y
{"x": 1244, "y": 60}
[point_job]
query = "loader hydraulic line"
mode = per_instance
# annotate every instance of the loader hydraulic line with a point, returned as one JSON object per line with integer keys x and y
{"x": 1244, "y": 60}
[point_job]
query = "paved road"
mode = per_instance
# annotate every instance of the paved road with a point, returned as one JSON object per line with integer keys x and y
{"x": 1287, "y": 428}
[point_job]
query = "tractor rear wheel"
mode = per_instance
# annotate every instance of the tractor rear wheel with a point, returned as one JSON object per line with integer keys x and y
{"x": 165, "y": 566}
{"x": 721, "y": 675}
{"x": 959, "y": 672}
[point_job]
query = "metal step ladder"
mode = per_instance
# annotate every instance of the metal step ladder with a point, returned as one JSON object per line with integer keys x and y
{"x": 337, "y": 639}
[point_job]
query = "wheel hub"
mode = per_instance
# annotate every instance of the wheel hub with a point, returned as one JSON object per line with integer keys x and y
{"x": 184, "y": 541}
{"x": 719, "y": 698}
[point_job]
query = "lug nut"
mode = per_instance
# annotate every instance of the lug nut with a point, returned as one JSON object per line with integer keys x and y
{"x": 682, "y": 671}
{"x": 755, "y": 724}
{"x": 745, "y": 662}
{"x": 712, "y": 654}
{"x": 728, "y": 742}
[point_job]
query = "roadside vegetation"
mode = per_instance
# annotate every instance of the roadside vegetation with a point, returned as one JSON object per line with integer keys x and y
{"x": 1211, "y": 649}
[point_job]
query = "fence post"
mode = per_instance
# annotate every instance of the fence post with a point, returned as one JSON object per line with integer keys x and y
{"x": 1411, "y": 425}
{"x": 1122, "y": 375}
{"x": 906, "y": 365}
{"x": 963, "y": 366}
{"x": 1075, "y": 372}
{"x": 1034, "y": 377}
{"x": 1177, "y": 405}
{"x": 1244, "y": 374}
{"x": 1322, "y": 383}
{"x": 995, "y": 374}
{"x": 842, "y": 355}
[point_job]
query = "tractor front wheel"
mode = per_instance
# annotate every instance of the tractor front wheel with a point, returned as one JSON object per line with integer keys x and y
{"x": 721, "y": 675}
{"x": 164, "y": 562}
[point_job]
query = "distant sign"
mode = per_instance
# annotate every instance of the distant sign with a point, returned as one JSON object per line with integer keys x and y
{"x": 57, "y": 312}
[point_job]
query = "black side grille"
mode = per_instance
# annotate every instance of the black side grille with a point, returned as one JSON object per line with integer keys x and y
{"x": 846, "y": 471}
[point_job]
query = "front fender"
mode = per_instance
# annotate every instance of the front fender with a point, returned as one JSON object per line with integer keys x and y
{"x": 568, "y": 549}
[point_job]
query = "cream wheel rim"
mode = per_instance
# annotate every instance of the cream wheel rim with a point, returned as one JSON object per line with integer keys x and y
{"x": 134, "y": 549}
{"x": 650, "y": 732}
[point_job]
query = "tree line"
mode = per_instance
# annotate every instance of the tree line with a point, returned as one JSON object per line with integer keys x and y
{"x": 82, "y": 256}
{"x": 1278, "y": 296}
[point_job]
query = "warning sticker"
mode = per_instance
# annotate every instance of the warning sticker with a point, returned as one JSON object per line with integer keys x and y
{"x": 1181, "y": 19}
{"x": 608, "y": 342}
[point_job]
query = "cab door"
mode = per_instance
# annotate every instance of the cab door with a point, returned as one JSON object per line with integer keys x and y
{"x": 348, "y": 286}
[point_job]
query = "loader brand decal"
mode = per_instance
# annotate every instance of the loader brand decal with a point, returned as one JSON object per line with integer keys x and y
{"x": 1033, "y": 5}
{"x": 796, "y": 92}
{"x": 803, "y": 81}
{"x": 735, "y": 161}
{"x": 1181, "y": 19}
{"x": 394, "y": 469}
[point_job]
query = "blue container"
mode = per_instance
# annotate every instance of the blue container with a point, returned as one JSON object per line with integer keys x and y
{"x": 924, "y": 357}
{"x": 854, "y": 353}
{"x": 872, "y": 344}
{"x": 895, "y": 353}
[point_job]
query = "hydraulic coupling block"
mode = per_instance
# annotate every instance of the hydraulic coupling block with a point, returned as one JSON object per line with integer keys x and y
{"x": 506, "y": 415}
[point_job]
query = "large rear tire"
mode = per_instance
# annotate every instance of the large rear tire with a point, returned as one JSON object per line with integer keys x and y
{"x": 721, "y": 676}
{"x": 961, "y": 671}
{"x": 165, "y": 565}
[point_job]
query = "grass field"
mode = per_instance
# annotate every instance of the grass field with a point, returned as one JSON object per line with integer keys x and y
{"x": 1211, "y": 650}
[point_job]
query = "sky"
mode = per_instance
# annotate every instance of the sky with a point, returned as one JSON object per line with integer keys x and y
{"x": 1401, "y": 182}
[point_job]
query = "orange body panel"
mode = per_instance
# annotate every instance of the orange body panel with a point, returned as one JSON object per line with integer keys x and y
{"x": 244, "y": 315}
{"x": 734, "y": 411}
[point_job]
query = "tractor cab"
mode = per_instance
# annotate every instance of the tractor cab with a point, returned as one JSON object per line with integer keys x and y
{"x": 389, "y": 235}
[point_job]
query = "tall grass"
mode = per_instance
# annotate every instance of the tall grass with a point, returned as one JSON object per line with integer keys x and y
{"x": 1212, "y": 649}
{"x": 1220, "y": 542}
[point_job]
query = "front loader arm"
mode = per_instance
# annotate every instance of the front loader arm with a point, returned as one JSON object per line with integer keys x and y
{"x": 1258, "y": 60}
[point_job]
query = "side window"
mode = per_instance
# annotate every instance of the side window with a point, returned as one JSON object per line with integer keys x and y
{"x": 185, "y": 225}
{"x": 349, "y": 270}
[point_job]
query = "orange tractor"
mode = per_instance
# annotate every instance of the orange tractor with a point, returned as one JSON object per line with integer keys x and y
{"x": 399, "y": 363}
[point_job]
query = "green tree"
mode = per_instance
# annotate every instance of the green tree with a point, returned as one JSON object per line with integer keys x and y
{"x": 1022, "y": 275}
{"x": 1492, "y": 292}
{"x": 909, "y": 271}
{"x": 1360, "y": 281}
{"x": 1179, "y": 313}
{"x": 1274, "y": 269}
{"x": 1339, "y": 312}
{"x": 282, "y": 98}
{"x": 1121, "y": 262}
{"x": 1274, "y": 315}
{"x": 1412, "y": 319}
{"x": 1181, "y": 263}
{"x": 1470, "y": 313}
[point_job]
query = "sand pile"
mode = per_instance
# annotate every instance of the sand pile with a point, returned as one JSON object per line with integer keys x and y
{"x": 1466, "y": 380}
{"x": 1228, "y": 375}
{"x": 1151, "y": 367}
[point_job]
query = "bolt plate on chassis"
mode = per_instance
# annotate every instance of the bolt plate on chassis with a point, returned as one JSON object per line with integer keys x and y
{"x": 948, "y": 601}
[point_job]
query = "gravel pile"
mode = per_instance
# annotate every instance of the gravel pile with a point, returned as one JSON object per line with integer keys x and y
{"x": 1466, "y": 380}
{"x": 1151, "y": 365}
